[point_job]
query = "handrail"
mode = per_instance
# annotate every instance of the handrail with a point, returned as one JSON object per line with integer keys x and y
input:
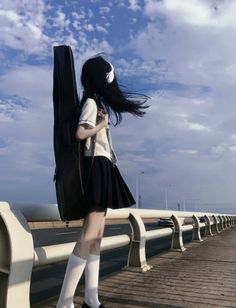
{"x": 49, "y": 212}
{"x": 18, "y": 254}
{"x": 54, "y": 253}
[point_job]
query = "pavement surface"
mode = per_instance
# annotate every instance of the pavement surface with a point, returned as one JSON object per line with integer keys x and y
{"x": 202, "y": 276}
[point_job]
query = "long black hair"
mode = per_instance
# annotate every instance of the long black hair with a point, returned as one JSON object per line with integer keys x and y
{"x": 97, "y": 86}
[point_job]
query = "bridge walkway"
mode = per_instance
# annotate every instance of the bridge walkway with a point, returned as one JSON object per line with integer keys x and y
{"x": 204, "y": 275}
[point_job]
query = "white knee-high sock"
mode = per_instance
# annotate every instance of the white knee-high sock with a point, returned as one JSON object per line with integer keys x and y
{"x": 74, "y": 271}
{"x": 91, "y": 280}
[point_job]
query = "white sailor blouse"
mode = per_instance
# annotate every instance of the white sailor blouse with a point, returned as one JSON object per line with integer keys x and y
{"x": 101, "y": 143}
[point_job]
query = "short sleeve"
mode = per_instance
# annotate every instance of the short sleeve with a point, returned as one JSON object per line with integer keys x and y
{"x": 89, "y": 113}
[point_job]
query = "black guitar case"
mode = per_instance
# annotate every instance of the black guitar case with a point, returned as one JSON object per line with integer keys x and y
{"x": 68, "y": 151}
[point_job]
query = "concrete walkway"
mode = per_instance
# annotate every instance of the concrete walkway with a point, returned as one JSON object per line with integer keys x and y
{"x": 202, "y": 276}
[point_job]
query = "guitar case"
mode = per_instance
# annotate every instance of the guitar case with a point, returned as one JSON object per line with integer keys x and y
{"x": 68, "y": 151}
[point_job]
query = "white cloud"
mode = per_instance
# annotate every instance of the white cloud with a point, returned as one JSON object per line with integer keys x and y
{"x": 100, "y": 28}
{"x": 196, "y": 126}
{"x": 185, "y": 151}
{"x": 34, "y": 27}
{"x": 29, "y": 123}
{"x": 173, "y": 146}
{"x": 60, "y": 21}
{"x": 5, "y": 117}
{"x": 104, "y": 9}
{"x": 26, "y": 143}
{"x": 24, "y": 80}
{"x": 195, "y": 12}
{"x": 232, "y": 148}
{"x": 134, "y": 5}
{"x": 218, "y": 149}
{"x": 89, "y": 27}
{"x": 186, "y": 53}
{"x": 225, "y": 148}
{"x": 78, "y": 30}
{"x": 147, "y": 70}
{"x": 22, "y": 26}
{"x": 11, "y": 16}
{"x": 171, "y": 118}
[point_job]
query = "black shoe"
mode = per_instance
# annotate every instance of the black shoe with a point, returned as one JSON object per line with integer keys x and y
{"x": 87, "y": 306}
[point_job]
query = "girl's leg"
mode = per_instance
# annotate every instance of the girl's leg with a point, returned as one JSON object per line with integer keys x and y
{"x": 74, "y": 270}
{"x": 92, "y": 271}
{"x": 78, "y": 258}
{"x": 89, "y": 239}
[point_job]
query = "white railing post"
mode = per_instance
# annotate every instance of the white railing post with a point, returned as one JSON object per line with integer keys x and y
{"x": 208, "y": 231}
{"x": 227, "y": 219}
{"x": 137, "y": 253}
{"x": 224, "y": 221}
{"x": 177, "y": 238}
{"x": 16, "y": 259}
{"x": 196, "y": 229}
{"x": 221, "y": 223}
{"x": 216, "y": 228}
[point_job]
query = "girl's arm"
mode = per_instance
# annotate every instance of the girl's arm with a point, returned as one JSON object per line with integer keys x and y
{"x": 84, "y": 131}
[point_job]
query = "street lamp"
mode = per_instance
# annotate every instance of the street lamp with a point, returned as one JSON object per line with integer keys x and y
{"x": 137, "y": 188}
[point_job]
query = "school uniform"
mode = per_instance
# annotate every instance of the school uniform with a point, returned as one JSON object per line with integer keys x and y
{"x": 103, "y": 183}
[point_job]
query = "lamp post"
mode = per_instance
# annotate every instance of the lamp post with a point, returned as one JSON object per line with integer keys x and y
{"x": 137, "y": 188}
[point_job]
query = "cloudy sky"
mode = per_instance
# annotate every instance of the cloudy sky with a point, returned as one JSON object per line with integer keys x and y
{"x": 179, "y": 52}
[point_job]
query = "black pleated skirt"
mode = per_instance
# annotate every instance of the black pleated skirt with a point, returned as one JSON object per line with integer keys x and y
{"x": 103, "y": 184}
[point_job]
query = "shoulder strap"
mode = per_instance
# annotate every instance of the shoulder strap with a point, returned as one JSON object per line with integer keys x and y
{"x": 114, "y": 158}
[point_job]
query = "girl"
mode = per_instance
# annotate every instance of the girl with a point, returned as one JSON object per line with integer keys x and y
{"x": 103, "y": 183}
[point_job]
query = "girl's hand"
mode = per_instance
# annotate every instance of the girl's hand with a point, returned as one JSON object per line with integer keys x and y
{"x": 101, "y": 112}
{"x": 83, "y": 132}
{"x": 103, "y": 118}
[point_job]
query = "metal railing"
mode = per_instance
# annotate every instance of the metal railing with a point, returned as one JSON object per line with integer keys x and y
{"x": 18, "y": 255}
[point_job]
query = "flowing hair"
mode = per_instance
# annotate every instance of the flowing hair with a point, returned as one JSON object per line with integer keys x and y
{"x": 109, "y": 92}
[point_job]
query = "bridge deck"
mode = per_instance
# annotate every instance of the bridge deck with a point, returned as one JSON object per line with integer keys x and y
{"x": 202, "y": 276}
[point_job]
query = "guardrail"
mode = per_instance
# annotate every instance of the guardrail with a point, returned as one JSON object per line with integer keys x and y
{"x": 18, "y": 255}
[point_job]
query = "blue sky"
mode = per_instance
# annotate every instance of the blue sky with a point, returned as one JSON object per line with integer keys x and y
{"x": 179, "y": 52}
